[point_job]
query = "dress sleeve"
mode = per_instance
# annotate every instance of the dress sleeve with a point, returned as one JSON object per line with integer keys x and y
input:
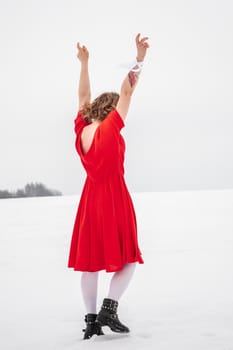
{"x": 107, "y": 135}
{"x": 79, "y": 123}
{"x": 113, "y": 122}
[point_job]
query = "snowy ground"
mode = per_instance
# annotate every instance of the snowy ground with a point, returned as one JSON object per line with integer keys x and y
{"x": 180, "y": 299}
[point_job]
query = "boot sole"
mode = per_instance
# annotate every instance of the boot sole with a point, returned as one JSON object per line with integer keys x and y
{"x": 103, "y": 324}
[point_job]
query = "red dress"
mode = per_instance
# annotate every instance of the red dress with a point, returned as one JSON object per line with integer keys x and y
{"x": 105, "y": 229}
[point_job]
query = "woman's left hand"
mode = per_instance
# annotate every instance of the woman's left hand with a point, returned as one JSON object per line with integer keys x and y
{"x": 83, "y": 53}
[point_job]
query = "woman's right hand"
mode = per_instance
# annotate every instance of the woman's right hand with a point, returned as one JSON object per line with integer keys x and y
{"x": 82, "y": 54}
{"x": 142, "y": 46}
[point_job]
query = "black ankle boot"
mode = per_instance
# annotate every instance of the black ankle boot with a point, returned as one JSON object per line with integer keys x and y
{"x": 108, "y": 316}
{"x": 92, "y": 326}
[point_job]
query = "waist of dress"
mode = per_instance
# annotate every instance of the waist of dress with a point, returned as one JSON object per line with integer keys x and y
{"x": 105, "y": 178}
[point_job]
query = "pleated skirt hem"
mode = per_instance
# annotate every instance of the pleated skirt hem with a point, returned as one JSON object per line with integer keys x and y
{"x": 107, "y": 269}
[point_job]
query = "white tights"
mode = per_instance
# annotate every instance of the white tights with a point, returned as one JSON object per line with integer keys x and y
{"x": 118, "y": 284}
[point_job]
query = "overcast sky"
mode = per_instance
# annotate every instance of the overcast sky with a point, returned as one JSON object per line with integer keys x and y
{"x": 179, "y": 128}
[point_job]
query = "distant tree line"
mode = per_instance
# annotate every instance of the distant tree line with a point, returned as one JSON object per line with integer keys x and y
{"x": 30, "y": 190}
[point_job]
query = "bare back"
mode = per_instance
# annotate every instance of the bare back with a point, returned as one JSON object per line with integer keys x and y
{"x": 87, "y": 136}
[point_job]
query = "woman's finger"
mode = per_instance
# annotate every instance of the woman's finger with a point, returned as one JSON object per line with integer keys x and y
{"x": 144, "y": 39}
{"x": 137, "y": 38}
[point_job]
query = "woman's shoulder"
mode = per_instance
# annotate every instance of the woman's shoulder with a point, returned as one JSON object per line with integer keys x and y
{"x": 80, "y": 122}
{"x": 115, "y": 120}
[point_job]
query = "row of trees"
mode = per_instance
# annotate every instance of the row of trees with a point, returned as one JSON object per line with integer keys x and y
{"x": 36, "y": 189}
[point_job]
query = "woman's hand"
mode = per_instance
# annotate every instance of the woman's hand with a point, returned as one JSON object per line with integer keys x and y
{"x": 142, "y": 47}
{"x": 83, "y": 53}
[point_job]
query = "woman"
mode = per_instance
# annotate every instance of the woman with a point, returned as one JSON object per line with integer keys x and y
{"x": 105, "y": 229}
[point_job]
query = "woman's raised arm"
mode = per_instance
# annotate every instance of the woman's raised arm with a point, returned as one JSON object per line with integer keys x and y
{"x": 130, "y": 81}
{"x": 84, "y": 90}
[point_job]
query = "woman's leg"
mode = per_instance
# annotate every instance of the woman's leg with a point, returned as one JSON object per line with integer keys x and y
{"x": 120, "y": 281}
{"x": 89, "y": 285}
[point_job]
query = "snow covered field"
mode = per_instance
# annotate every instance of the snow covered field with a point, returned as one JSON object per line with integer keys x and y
{"x": 180, "y": 299}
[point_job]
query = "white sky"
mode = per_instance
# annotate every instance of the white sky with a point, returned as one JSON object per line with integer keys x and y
{"x": 179, "y": 129}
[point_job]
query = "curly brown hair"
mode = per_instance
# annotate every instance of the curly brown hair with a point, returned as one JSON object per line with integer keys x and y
{"x": 100, "y": 107}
